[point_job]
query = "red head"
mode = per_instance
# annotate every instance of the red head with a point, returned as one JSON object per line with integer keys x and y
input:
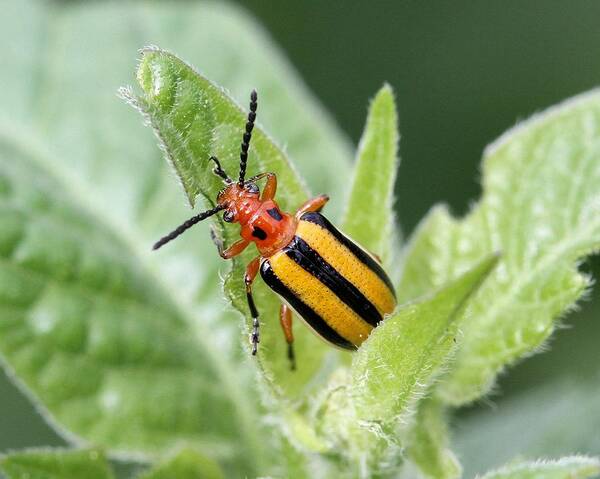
{"x": 239, "y": 202}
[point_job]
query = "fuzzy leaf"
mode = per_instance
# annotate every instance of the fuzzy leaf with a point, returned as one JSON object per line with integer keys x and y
{"x": 93, "y": 333}
{"x": 186, "y": 464}
{"x": 402, "y": 356}
{"x": 577, "y": 467}
{"x": 369, "y": 217}
{"x": 359, "y": 414}
{"x": 55, "y": 464}
{"x": 193, "y": 119}
{"x": 112, "y": 343}
{"x": 428, "y": 443}
{"x": 541, "y": 208}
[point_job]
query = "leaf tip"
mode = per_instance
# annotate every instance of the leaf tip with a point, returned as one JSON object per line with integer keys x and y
{"x": 386, "y": 89}
{"x": 126, "y": 94}
{"x": 385, "y": 98}
{"x": 157, "y": 76}
{"x": 150, "y": 49}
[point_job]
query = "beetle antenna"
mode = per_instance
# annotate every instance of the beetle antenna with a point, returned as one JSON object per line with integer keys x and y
{"x": 217, "y": 170}
{"x": 247, "y": 135}
{"x": 187, "y": 225}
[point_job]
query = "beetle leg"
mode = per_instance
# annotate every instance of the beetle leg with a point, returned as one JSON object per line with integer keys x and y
{"x": 235, "y": 249}
{"x": 285, "y": 318}
{"x": 314, "y": 204}
{"x": 251, "y": 271}
{"x": 270, "y": 187}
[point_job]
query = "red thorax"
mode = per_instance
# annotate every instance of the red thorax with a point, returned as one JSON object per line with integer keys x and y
{"x": 261, "y": 221}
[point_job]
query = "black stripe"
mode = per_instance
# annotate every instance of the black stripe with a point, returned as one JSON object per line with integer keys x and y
{"x": 275, "y": 214}
{"x": 259, "y": 233}
{"x": 311, "y": 317}
{"x": 313, "y": 262}
{"x": 365, "y": 258}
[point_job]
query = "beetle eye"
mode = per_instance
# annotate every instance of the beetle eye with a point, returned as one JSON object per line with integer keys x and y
{"x": 251, "y": 187}
{"x": 228, "y": 216}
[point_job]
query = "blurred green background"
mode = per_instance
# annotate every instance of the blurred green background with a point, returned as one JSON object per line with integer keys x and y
{"x": 463, "y": 73}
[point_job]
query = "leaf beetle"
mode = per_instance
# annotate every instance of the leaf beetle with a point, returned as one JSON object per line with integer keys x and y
{"x": 338, "y": 288}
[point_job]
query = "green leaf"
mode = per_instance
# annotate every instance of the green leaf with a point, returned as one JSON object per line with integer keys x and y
{"x": 402, "y": 355}
{"x": 186, "y": 464}
{"x": 540, "y": 207}
{"x": 193, "y": 119}
{"x": 112, "y": 343}
{"x": 55, "y": 464}
{"x": 359, "y": 414}
{"x": 369, "y": 217}
{"x": 428, "y": 442}
{"x": 94, "y": 333}
{"x": 576, "y": 467}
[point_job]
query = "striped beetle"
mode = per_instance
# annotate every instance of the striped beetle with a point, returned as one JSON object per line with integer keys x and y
{"x": 333, "y": 284}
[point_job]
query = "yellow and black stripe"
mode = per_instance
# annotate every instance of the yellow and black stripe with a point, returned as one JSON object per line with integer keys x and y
{"x": 331, "y": 282}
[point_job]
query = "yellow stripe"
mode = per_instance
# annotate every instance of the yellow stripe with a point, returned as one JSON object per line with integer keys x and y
{"x": 337, "y": 314}
{"x": 348, "y": 265}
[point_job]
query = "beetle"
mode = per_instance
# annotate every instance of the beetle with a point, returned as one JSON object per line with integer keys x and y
{"x": 338, "y": 288}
